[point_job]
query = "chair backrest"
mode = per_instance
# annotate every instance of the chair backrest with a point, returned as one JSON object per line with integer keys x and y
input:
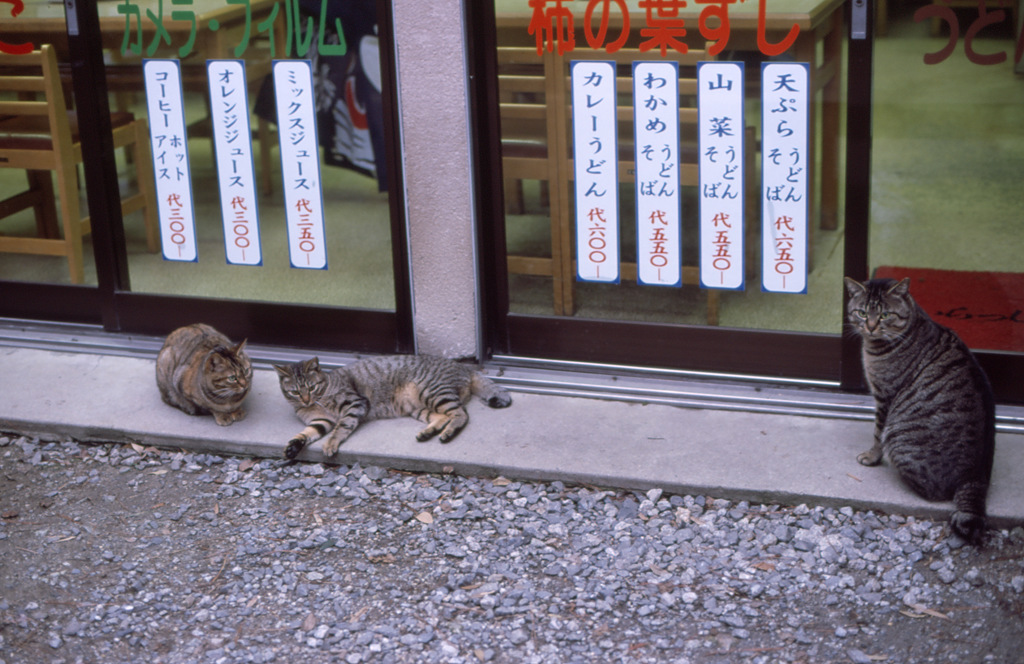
{"x": 535, "y": 106}
{"x": 624, "y": 59}
{"x": 528, "y": 98}
{"x": 33, "y": 112}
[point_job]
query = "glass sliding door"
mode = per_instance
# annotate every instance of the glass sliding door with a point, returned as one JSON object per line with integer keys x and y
{"x": 947, "y": 157}
{"x": 726, "y": 194}
{"x": 271, "y": 155}
{"x": 300, "y": 214}
{"x": 948, "y": 154}
{"x": 52, "y": 206}
{"x": 912, "y": 164}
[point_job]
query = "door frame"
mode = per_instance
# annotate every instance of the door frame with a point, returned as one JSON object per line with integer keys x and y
{"x": 815, "y": 358}
{"x": 111, "y": 303}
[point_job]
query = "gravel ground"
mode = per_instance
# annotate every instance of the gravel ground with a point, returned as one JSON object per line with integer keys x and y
{"x": 118, "y": 553}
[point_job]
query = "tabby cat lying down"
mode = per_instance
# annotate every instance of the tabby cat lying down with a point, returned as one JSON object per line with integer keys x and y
{"x": 431, "y": 389}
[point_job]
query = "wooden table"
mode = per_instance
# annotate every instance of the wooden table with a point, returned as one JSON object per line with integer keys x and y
{"x": 820, "y": 23}
{"x": 43, "y": 21}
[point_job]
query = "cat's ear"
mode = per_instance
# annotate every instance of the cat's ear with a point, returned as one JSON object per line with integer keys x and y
{"x": 312, "y": 364}
{"x": 216, "y": 358}
{"x": 854, "y": 287}
{"x": 282, "y": 370}
{"x": 900, "y": 289}
{"x": 240, "y": 348}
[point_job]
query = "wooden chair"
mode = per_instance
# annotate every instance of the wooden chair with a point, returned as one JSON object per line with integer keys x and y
{"x": 537, "y": 144}
{"x": 41, "y": 135}
{"x": 531, "y": 130}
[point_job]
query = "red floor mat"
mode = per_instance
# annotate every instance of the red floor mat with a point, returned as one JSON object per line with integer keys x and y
{"x": 985, "y": 308}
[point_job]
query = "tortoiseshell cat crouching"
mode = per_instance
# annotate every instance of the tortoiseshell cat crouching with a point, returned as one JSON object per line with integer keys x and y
{"x": 201, "y": 372}
{"x": 431, "y": 389}
{"x": 934, "y": 408}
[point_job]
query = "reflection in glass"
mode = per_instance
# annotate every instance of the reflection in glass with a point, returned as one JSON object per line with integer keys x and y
{"x": 947, "y": 154}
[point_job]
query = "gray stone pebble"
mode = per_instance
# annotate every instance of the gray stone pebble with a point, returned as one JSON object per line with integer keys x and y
{"x": 118, "y": 553}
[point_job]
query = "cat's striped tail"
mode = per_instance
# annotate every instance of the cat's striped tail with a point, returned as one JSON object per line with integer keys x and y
{"x": 313, "y": 432}
{"x": 968, "y": 520}
{"x": 489, "y": 392}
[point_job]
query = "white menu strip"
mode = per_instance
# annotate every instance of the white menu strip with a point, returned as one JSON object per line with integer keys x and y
{"x": 169, "y": 147}
{"x": 300, "y": 164}
{"x": 721, "y": 193}
{"x": 232, "y": 136}
{"x": 658, "y": 198}
{"x": 785, "y": 96}
{"x": 596, "y": 170}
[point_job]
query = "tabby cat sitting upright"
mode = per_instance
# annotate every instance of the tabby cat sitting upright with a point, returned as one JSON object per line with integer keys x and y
{"x": 431, "y": 389}
{"x": 201, "y": 372}
{"x": 934, "y": 408}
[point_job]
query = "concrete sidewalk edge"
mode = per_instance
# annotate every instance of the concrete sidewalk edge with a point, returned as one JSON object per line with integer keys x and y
{"x": 582, "y": 441}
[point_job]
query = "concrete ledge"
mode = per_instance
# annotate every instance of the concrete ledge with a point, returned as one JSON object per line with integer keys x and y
{"x": 736, "y": 455}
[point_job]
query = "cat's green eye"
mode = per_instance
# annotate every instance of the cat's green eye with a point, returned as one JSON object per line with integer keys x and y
{"x": 860, "y": 313}
{"x": 884, "y": 315}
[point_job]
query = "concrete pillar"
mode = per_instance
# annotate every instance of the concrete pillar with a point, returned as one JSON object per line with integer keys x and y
{"x": 433, "y": 106}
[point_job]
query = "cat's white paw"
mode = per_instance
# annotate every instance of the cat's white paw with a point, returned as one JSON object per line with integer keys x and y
{"x": 869, "y": 458}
